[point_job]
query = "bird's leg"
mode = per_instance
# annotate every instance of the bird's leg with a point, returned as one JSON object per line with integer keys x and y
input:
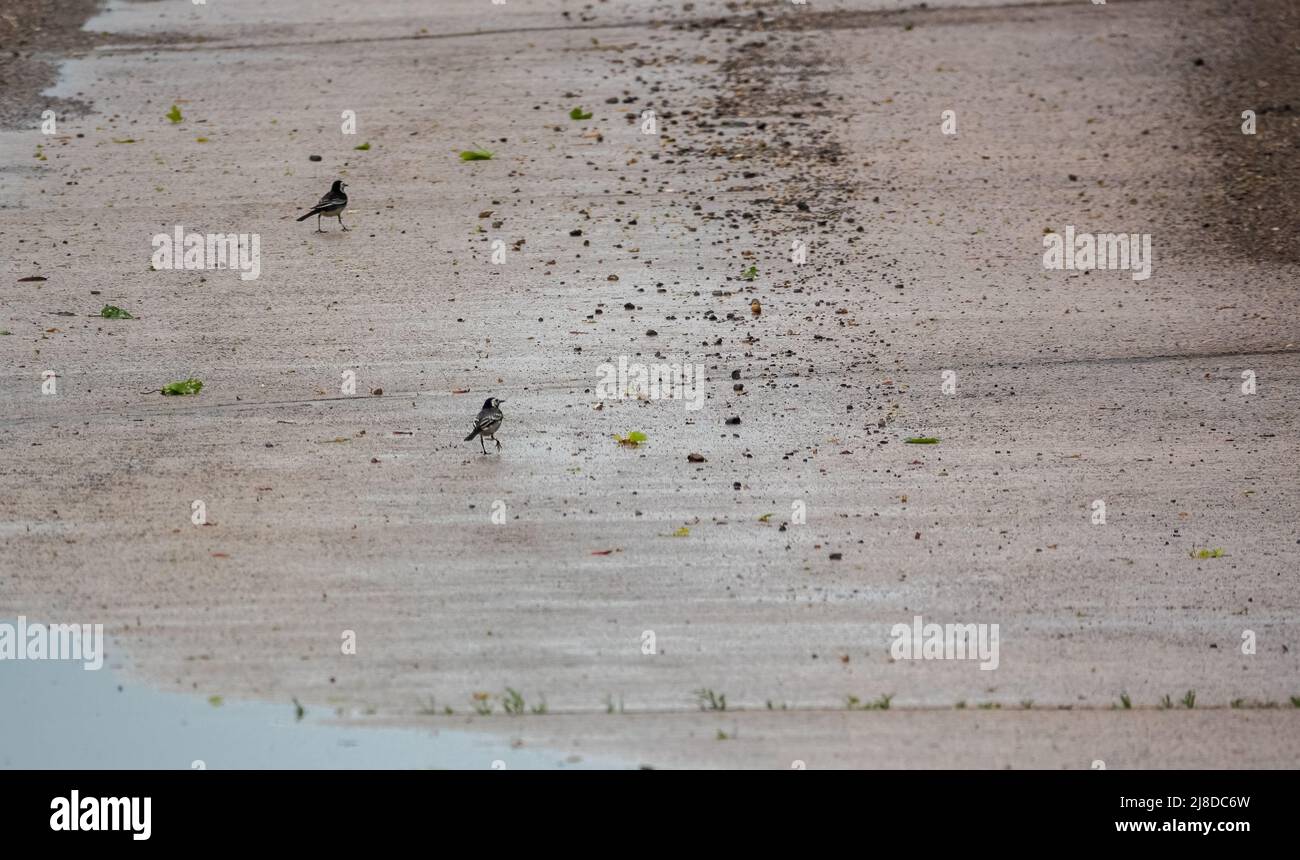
{"x": 341, "y": 224}
{"x": 318, "y": 229}
{"x": 498, "y": 441}
{"x": 481, "y": 445}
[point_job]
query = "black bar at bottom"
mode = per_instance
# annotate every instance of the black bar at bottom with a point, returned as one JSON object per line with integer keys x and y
{"x": 328, "y": 810}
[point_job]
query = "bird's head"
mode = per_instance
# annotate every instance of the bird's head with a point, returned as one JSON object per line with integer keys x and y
{"x": 339, "y": 185}
{"x": 492, "y": 403}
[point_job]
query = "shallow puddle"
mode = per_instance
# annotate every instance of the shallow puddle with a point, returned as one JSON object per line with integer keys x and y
{"x": 56, "y": 715}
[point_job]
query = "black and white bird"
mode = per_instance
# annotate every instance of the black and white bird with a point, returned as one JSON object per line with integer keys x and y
{"x": 488, "y": 423}
{"x": 331, "y": 205}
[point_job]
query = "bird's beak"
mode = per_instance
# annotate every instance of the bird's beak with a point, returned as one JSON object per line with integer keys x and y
{"x": 501, "y": 400}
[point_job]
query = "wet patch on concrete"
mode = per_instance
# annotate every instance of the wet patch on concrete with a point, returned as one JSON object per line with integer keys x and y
{"x": 35, "y": 34}
{"x": 57, "y": 715}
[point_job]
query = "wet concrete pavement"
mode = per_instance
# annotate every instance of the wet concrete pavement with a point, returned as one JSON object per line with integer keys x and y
{"x": 330, "y": 512}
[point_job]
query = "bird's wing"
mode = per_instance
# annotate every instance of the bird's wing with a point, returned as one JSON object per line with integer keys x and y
{"x": 483, "y": 419}
{"x": 329, "y": 200}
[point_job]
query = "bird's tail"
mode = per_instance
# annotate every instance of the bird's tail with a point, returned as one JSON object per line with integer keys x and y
{"x": 472, "y": 435}
{"x": 308, "y": 215}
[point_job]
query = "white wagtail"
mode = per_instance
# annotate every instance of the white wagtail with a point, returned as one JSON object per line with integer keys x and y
{"x": 332, "y": 205}
{"x": 488, "y": 423}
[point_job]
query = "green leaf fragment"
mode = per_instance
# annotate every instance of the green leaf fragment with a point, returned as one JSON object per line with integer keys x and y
{"x": 184, "y": 387}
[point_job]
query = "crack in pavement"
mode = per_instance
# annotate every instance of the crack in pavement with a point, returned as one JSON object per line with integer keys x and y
{"x": 827, "y": 20}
